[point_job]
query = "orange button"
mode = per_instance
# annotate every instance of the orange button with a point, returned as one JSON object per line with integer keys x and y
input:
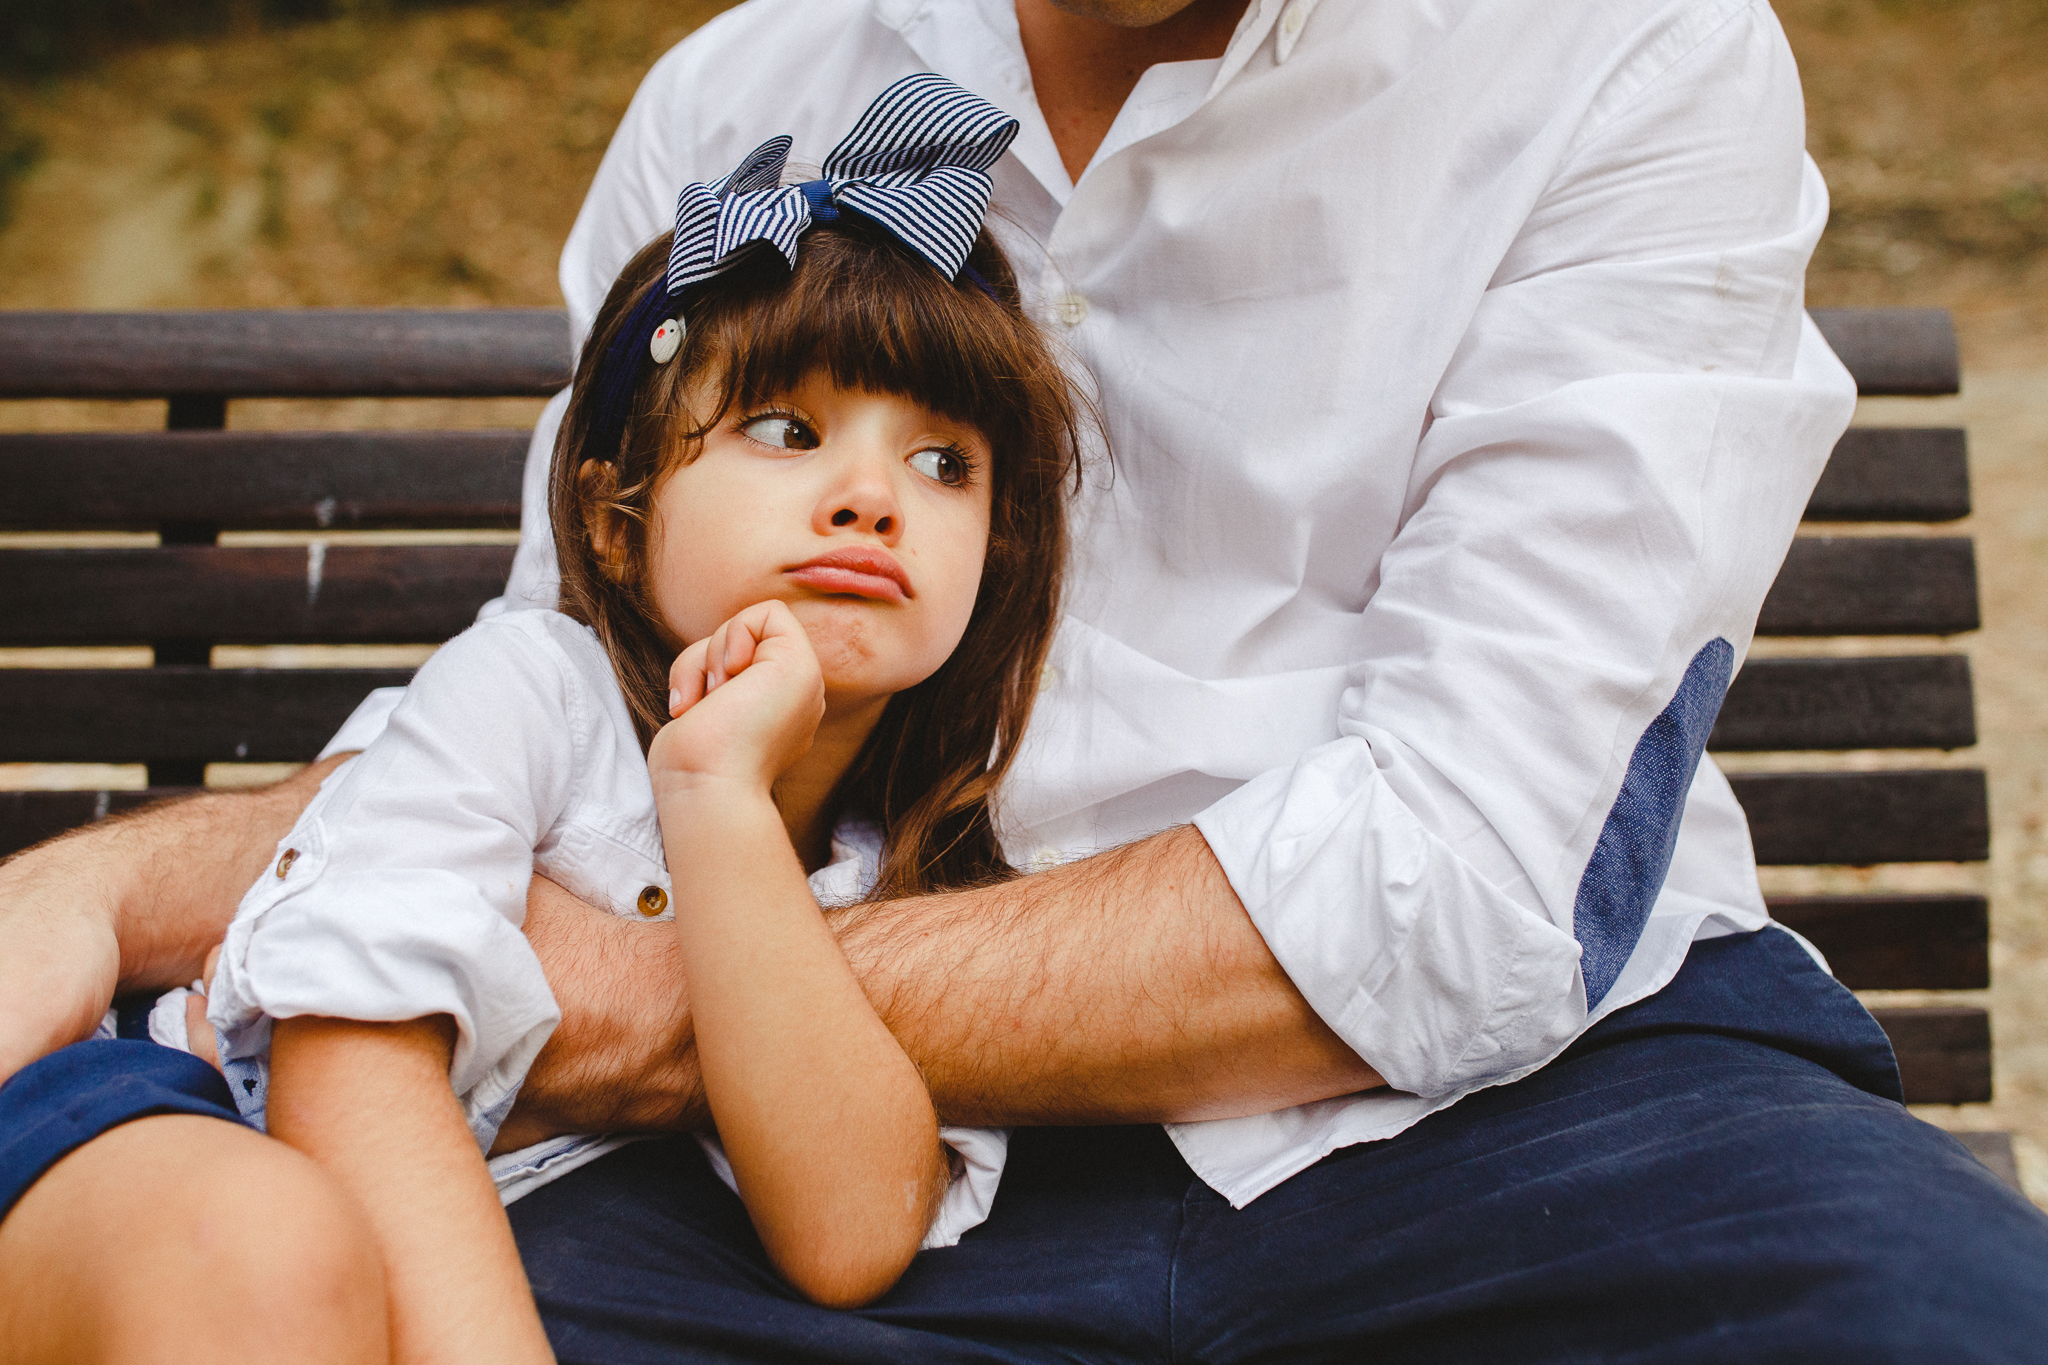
{"x": 284, "y": 863}
{"x": 653, "y": 900}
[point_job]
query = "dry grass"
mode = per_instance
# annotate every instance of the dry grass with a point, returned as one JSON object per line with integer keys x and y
{"x": 1927, "y": 117}
{"x": 437, "y": 157}
{"x": 424, "y": 158}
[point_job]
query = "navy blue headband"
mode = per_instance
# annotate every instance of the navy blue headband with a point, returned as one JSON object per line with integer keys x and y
{"x": 916, "y": 164}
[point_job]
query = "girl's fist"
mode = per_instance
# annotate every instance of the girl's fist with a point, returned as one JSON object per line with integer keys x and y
{"x": 745, "y": 701}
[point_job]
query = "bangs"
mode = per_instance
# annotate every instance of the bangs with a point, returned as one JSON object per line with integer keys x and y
{"x": 860, "y": 310}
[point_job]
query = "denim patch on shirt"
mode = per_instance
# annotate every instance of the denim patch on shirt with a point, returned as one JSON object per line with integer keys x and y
{"x": 1634, "y": 851}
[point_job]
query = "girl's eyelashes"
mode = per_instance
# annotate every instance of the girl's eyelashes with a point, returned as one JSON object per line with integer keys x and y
{"x": 782, "y": 430}
{"x": 948, "y": 465}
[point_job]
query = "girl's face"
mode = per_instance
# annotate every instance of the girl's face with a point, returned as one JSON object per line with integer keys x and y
{"x": 866, "y": 513}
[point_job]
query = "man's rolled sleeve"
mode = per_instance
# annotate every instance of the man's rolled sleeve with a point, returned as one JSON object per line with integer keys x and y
{"x": 1614, "y": 465}
{"x": 1443, "y": 976}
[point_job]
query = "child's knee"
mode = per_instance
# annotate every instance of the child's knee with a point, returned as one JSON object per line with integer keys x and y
{"x": 194, "y": 1231}
{"x": 277, "y": 1238}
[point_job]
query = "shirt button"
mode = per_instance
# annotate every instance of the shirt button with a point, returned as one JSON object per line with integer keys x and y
{"x": 1047, "y": 678}
{"x": 1072, "y": 309}
{"x": 1292, "y": 20}
{"x": 653, "y": 900}
{"x": 284, "y": 863}
{"x": 1043, "y": 859}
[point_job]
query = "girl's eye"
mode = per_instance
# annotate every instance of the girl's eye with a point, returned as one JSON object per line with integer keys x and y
{"x": 783, "y": 432}
{"x": 941, "y": 465}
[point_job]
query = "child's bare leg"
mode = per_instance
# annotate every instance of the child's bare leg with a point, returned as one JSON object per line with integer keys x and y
{"x": 179, "y": 1238}
{"x": 131, "y": 903}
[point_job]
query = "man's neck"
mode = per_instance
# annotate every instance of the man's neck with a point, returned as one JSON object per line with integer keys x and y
{"x": 1084, "y": 69}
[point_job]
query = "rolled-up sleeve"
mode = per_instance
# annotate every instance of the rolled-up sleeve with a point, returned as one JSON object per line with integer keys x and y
{"x": 1612, "y": 469}
{"x": 401, "y": 891}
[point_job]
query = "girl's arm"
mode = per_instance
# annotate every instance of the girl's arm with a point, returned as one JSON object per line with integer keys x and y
{"x": 371, "y": 1104}
{"x": 831, "y": 1134}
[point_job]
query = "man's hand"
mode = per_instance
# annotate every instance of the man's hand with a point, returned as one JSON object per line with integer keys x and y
{"x": 129, "y": 904}
{"x": 1129, "y": 988}
{"x": 623, "y": 1058}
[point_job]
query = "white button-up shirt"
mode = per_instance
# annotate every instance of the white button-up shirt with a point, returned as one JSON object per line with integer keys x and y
{"x": 1462, "y": 405}
{"x": 401, "y": 890}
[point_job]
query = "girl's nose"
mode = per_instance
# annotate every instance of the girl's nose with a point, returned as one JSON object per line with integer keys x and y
{"x": 862, "y": 499}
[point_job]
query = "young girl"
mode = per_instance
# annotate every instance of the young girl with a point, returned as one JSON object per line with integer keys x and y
{"x": 807, "y": 503}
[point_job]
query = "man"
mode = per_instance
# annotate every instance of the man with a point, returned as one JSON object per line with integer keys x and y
{"x": 1459, "y": 406}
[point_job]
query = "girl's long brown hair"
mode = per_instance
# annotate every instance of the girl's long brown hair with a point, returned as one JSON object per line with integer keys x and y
{"x": 863, "y": 311}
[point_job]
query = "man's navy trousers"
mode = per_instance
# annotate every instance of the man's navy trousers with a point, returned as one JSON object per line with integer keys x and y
{"x": 1722, "y": 1173}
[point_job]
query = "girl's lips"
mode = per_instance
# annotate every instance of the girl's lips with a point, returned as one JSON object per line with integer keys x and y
{"x": 861, "y": 571}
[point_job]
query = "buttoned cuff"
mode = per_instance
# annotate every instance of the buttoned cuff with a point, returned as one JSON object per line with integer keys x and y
{"x": 384, "y": 946}
{"x": 1435, "y": 978}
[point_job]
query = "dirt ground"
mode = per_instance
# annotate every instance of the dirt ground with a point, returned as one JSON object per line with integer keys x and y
{"x": 437, "y": 155}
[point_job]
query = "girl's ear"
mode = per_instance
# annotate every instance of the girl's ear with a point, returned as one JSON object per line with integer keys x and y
{"x": 597, "y": 484}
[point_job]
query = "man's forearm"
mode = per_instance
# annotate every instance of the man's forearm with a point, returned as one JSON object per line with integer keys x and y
{"x": 1127, "y": 988}
{"x": 1130, "y": 987}
{"x": 132, "y": 903}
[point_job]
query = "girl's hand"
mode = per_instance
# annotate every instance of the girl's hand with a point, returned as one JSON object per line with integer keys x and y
{"x": 199, "y": 1035}
{"x": 747, "y": 699}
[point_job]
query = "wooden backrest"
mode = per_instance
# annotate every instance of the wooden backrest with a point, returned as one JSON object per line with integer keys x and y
{"x": 1877, "y": 586}
{"x": 193, "y": 481}
{"x": 188, "y": 593}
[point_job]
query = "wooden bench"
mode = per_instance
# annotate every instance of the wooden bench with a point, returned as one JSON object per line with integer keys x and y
{"x": 187, "y": 594}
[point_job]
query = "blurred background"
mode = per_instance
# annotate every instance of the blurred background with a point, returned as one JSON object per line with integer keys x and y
{"x": 276, "y": 153}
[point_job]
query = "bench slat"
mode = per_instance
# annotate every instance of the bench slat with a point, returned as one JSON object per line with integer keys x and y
{"x": 1896, "y": 942}
{"x": 1916, "y": 702}
{"x": 296, "y": 353}
{"x": 1879, "y": 585}
{"x": 125, "y": 480}
{"x": 1912, "y": 815}
{"x": 1829, "y": 586}
{"x": 1895, "y": 474}
{"x": 1895, "y": 350}
{"x": 239, "y": 480}
{"x": 1944, "y": 1052}
{"x": 337, "y": 594}
{"x": 150, "y": 715}
{"x": 349, "y": 352}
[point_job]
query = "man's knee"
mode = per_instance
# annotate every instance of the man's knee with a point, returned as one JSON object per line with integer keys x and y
{"x": 193, "y": 1231}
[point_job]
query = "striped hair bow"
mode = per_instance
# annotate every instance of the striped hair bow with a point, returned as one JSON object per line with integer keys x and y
{"x": 916, "y": 164}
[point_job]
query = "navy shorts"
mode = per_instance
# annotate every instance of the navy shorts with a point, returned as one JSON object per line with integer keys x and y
{"x": 53, "y": 1106}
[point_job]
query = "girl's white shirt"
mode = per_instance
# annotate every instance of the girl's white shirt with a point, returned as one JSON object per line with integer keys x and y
{"x": 401, "y": 891}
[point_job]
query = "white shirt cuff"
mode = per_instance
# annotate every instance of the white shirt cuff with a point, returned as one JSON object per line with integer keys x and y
{"x": 1436, "y": 978}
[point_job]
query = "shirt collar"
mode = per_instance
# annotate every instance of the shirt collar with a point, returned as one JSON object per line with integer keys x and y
{"x": 975, "y": 42}
{"x": 1260, "y": 17}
